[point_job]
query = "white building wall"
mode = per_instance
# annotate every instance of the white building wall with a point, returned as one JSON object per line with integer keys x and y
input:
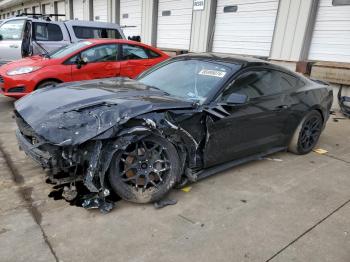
{"x": 202, "y": 27}
{"x": 292, "y": 31}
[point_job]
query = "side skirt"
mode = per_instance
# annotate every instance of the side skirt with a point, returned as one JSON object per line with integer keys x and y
{"x": 222, "y": 167}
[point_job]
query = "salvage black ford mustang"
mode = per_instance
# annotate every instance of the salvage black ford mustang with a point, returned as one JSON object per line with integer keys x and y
{"x": 184, "y": 119}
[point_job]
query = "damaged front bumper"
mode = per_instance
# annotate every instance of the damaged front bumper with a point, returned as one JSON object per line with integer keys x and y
{"x": 41, "y": 157}
{"x": 80, "y": 164}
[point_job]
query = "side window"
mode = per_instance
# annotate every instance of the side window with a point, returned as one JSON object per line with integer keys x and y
{"x": 83, "y": 32}
{"x": 47, "y": 32}
{"x": 261, "y": 83}
{"x": 287, "y": 81}
{"x": 12, "y": 30}
{"x": 131, "y": 52}
{"x": 102, "y": 53}
{"x": 152, "y": 54}
{"x": 252, "y": 84}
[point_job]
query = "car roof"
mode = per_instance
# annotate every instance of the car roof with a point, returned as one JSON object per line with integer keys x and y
{"x": 243, "y": 61}
{"x": 115, "y": 41}
{"x": 228, "y": 58}
{"x": 94, "y": 24}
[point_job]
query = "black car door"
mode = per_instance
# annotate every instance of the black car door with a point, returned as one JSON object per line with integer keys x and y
{"x": 252, "y": 127}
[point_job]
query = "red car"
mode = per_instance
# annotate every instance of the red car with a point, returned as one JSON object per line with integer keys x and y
{"x": 85, "y": 60}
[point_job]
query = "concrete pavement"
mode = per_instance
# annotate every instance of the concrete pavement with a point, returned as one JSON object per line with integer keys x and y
{"x": 296, "y": 209}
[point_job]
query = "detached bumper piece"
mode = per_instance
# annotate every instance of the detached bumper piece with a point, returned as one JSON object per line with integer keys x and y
{"x": 345, "y": 109}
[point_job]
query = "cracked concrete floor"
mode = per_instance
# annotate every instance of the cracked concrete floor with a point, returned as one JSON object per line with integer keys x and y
{"x": 296, "y": 209}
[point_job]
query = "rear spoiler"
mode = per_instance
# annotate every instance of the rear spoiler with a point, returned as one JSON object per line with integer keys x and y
{"x": 345, "y": 109}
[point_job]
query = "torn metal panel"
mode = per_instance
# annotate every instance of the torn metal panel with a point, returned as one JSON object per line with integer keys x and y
{"x": 344, "y": 102}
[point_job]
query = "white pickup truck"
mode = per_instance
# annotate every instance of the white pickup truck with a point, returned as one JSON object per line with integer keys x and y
{"x": 36, "y": 34}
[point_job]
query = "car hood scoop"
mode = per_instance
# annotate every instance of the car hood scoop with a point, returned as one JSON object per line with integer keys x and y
{"x": 72, "y": 113}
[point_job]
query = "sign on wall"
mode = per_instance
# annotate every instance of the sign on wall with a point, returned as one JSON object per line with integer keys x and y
{"x": 198, "y": 4}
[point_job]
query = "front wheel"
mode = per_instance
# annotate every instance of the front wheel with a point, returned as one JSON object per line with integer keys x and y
{"x": 46, "y": 84}
{"x": 145, "y": 171}
{"x": 307, "y": 134}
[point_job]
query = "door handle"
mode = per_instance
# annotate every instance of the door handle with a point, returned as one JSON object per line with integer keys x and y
{"x": 14, "y": 46}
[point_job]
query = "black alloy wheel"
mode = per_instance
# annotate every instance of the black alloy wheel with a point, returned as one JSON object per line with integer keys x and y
{"x": 310, "y": 133}
{"x": 307, "y": 134}
{"x": 145, "y": 171}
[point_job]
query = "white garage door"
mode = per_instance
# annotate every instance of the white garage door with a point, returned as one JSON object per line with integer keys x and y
{"x": 245, "y": 26}
{"x": 61, "y": 10}
{"x": 36, "y": 9}
{"x": 174, "y": 24}
{"x": 46, "y": 8}
{"x": 78, "y": 9}
{"x": 331, "y": 36}
{"x": 130, "y": 17}
{"x": 100, "y": 10}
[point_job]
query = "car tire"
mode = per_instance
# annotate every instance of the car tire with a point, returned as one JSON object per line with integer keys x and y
{"x": 132, "y": 172}
{"x": 46, "y": 84}
{"x": 307, "y": 133}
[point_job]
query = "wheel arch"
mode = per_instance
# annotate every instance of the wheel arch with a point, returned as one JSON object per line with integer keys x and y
{"x": 58, "y": 81}
{"x": 319, "y": 110}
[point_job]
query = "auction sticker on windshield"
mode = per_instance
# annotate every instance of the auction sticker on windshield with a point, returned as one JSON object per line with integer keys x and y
{"x": 215, "y": 73}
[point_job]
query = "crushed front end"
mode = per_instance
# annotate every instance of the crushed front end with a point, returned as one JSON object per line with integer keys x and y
{"x": 78, "y": 163}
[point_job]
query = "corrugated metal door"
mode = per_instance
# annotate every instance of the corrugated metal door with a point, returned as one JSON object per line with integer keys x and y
{"x": 331, "y": 35}
{"x": 100, "y": 10}
{"x": 130, "y": 17}
{"x": 46, "y": 8}
{"x": 78, "y": 9}
{"x": 36, "y": 9}
{"x": 61, "y": 10}
{"x": 174, "y": 24}
{"x": 245, "y": 26}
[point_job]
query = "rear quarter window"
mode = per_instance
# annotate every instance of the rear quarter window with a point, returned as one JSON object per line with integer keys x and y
{"x": 83, "y": 32}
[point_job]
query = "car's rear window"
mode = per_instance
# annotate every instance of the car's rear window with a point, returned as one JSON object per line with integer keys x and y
{"x": 83, "y": 32}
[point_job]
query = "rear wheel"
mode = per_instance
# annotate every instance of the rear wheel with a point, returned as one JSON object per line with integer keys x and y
{"x": 46, "y": 84}
{"x": 145, "y": 171}
{"x": 307, "y": 134}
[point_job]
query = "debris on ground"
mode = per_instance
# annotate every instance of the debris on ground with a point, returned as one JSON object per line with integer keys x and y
{"x": 96, "y": 201}
{"x": 320, "y": 151}
{"x": 186, "y": 189}
{"x": 164, "y": 202}
{"x": 336, "y": 119}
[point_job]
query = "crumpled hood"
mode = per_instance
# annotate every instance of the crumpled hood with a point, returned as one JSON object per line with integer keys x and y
{"x": 73, "y": 113}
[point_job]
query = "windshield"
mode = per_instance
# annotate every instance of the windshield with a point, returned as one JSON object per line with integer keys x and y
{"x": 192, "y": 80}
{"x": 66, "y": 50}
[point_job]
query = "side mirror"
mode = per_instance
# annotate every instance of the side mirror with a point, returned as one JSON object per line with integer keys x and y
{"x": 80, "y": 61}
{"x": 237, "y": 99}
{"x": 1, "y": 38}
